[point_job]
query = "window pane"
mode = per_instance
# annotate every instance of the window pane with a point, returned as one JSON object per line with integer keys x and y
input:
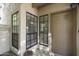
{"x": 35, "y": 27}
{"x": 28, "y": 37}
{"x": 41, "y": 37}
{"x": 41, "y": 19}
{"x": 14, "y": 17}
{"x": 41, "y": 27}
{"x": 28, "y": 44}
{"x": 45, "y": 38}
{"x": 46, "y": 18}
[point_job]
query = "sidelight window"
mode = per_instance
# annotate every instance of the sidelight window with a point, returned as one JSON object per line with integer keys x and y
{"x": 15, "y": 29}
{"x": 43, "y": 30}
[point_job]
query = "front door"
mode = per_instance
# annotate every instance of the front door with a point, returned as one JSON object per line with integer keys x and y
{"x": 62, "y": 33}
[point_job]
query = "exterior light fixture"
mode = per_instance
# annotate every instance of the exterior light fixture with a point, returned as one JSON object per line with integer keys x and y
{"x": 1, "y": 5}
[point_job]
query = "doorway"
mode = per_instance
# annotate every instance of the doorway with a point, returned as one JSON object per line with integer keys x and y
{"x": 63, "y": 32}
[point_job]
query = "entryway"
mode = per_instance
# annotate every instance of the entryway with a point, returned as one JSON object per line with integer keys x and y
{"x": 63, "y": 32}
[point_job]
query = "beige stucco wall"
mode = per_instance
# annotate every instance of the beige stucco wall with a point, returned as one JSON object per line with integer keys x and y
{"x": 5, "y": 25}
{"x": 4, "y": 31}
{"x": 8, "y": 11}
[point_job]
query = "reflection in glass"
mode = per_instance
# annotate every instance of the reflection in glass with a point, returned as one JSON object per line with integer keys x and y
{"x": 41, "y": 38}
{"x": 28, "y": 37}
{"x": 45, "y": 38}
{"x": 42, "y": 26}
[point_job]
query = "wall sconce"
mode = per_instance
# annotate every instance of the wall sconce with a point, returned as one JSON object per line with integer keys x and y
{"x": 1, "y": 5}
{"x": 74, "y": 5}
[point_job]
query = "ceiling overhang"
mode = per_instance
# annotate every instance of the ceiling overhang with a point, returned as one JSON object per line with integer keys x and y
{"x": 38, "y": 5}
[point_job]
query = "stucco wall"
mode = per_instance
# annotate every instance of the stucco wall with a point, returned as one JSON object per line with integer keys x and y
{"x": 4, "y": 30}
{"x": 8, "y": 10}
{"x": 4, "y": 39}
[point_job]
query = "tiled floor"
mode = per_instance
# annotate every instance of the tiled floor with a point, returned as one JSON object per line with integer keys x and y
{"x": 57, "y": 54}
{"x": 12, "y": 54}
